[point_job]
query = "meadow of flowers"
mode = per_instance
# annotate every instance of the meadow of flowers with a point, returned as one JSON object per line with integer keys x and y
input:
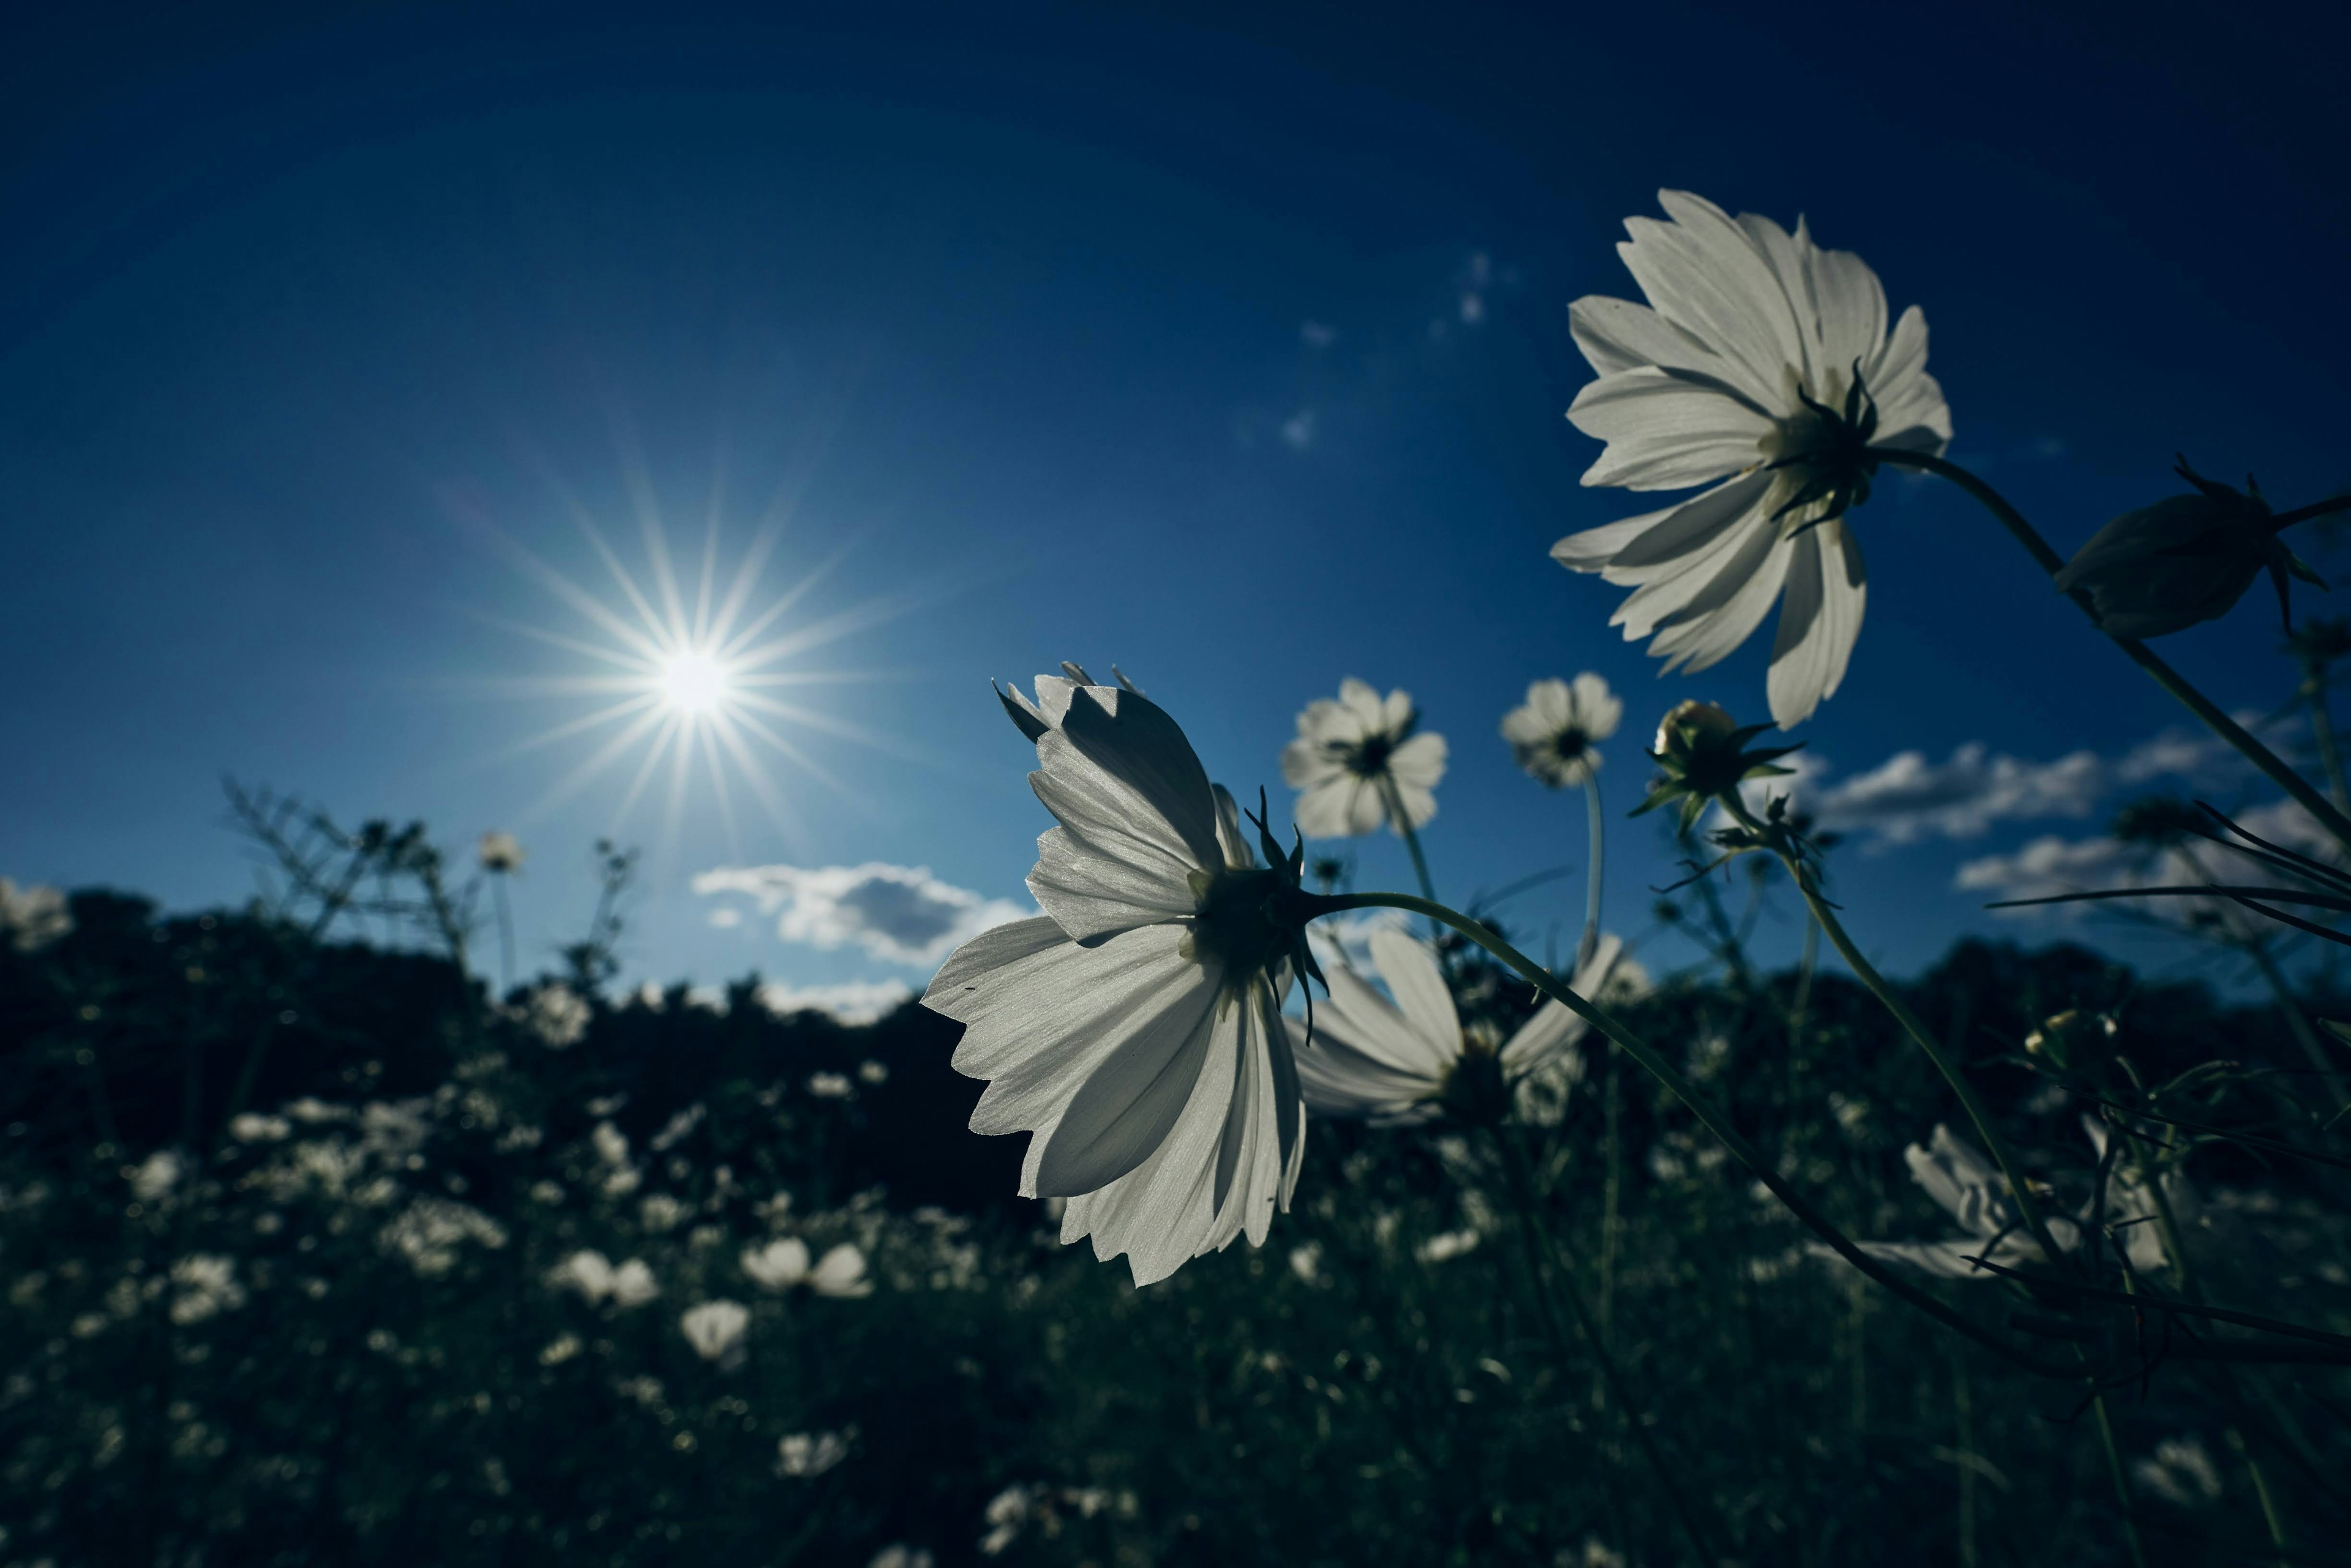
{"x": 319, "y": 1248}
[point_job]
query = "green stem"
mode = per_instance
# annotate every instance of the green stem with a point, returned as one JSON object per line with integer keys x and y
{"x": 1549, "y": 1269}
{"x": 1402, "y": 819}
{"x": 1314, "y": 906}
{"x": 1596, "y": 824}
{"x": 2115, "y": 1474}
{"x": 2336, "y": 821}
{"x": 2298, "y": 1022}
{"x": 1963, "y": 1403}
{"x": 1800, "y": 873}
{"x": 2321, "y": 733}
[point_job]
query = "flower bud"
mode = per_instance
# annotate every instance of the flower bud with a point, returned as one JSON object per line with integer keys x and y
{"x": 1701, "y": 754}
{"x": 1693, "y": 720}
{"x": 2186, "y": 559}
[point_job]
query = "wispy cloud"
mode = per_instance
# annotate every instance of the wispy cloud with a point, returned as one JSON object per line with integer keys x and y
{"x": 902, "y": 915}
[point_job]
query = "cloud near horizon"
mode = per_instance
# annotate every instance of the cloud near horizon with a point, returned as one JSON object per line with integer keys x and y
{"x": 900, "y": 915}
{"x": 1908, "y": 799}
{"x": 850, "y": 1001}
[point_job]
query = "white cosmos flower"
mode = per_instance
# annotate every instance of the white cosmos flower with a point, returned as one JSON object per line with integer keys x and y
{"x": 1555, "y": 733}
{"x": 1398, "y": 1062}
{"x": 715, "y": 1329}
{"x": 841, "y": 1272}
{"x": 1352, "y": 755}
{"x": 1972, "y": 1191}
{"x": 779, "y": 1265}
{"x": 1739, "y": 374}
{"x": 1134, "y": 1029}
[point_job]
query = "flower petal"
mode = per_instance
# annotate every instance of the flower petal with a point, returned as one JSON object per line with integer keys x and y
{"x": 1129, "y": 739}
{"x": 1619, "y": 335}
{"x": 1911, "y": 412}
{"x": 1127, "y": 1104}
{"x": 1340, "y": 808}
{"x": 1704, "y": 274}
{"x": 1421, "y": 994}
{"x": 1690, "y": 526}
{"x": 1555, "y": 1026}
{"x": 1827, "y": 591}
{"x": 1419, "y": 763}
{"x": 1665, "y": 433}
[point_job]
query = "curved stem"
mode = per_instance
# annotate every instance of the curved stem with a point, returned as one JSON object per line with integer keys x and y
{"x": 2138, "y": 652}
{"x": 1800, "y": 873}
{"x": 1545, "y": 1265}
{"x": 1597, "y": 825}
{"x": 1313, "y": 905}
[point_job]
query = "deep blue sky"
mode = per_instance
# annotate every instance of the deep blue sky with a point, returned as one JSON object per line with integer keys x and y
{"x": 1017, "y": 309}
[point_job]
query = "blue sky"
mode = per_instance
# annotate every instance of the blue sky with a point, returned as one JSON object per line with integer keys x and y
{"x": 1233, "y": 351}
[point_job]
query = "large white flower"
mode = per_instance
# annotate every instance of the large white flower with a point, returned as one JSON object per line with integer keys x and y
{"x": 1741, "y": 374}
{"x": 1971, "y": 1189}
{"x": 1555, "y": 733}
{"x": 1396, "y": 1062}
{"x": 1357, "y": 764}
{"x": 1135, "y": 1028}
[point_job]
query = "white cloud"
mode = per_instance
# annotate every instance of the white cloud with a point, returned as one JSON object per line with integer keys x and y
{"x": 2051, "y": 865}
{"x": 902, "y": 915}
{"x": 850, "y": 1001}
{"x": 2048, "y": 866}
{"x": 1907, "y": 798}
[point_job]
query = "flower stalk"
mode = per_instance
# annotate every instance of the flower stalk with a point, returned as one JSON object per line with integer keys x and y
{"x": 1800, "y": 871}
{"x": 2146, "y": 658}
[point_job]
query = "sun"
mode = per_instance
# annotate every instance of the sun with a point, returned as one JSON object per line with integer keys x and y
{"x": 692, "y": 681}
{"x": 686, "y": 673}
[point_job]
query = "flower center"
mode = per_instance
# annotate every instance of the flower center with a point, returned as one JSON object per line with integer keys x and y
{"x": 1367, "y": 758}
{"x": 1821, "y": 454}
{"x": 1570, "y": 743}
{"x": 1236, "y": 921}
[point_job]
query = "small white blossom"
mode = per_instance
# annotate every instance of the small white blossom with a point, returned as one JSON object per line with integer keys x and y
{"x": 779, "y": 1265}
{"x": 898, "y": 1554}
{"x": 1762, "y": 366}
{"x": 1448, "y": 1245}
{"x": 428, "y": 1232}
{"x": 2181, "y": 1473}
{"x": 662, "y": 1212}
{"x": 841, "y": 1272}
{"x": 204, "y": 1285}
{"x": 807, "y": 1454}
{"x": 715, "y": 1329}
{"x": 251, "y": 1127}
{"x": 593, "y": 1276}
{"x": 828, "y": 1085}
{"x": 153, "y": 1179}
{"x": 33, "y": 917}
{"x": 559, "y": 1015}
{"x": 1357, "y": 763}
{"x": 500, "y": 853}
{"x": 1555, "y": 733}
{"x": 874, "y": 1072}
